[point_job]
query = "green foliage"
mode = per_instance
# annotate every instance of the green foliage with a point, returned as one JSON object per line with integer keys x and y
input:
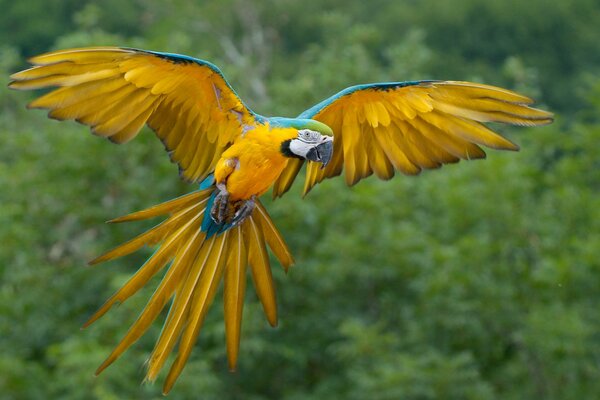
{"x": 479, "y": 281}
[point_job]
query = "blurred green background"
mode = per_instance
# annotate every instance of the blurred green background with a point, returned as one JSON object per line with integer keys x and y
{"x": 477, "y": 281}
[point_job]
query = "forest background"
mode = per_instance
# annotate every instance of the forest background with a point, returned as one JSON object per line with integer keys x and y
{"x": 477, "y": 281}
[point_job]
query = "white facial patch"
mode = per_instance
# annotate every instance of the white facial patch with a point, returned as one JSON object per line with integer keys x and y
{"x": 300, "y": 147}
{"x": 306, "y": 141}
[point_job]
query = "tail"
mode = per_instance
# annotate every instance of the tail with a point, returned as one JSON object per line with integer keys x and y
{"x": 196, "y": 264}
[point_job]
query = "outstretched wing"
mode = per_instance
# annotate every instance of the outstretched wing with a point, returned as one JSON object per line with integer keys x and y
{"x": 115, "y": 91}
{"x": 410, "y": 126}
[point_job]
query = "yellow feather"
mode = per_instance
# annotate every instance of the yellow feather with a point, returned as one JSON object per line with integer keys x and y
{"x": 452, "y": 144}
{"x": 145, "y": 76}
{"x": 406, "y": 138}
{"x": 115, "y": 91}
{"x": 420, "y": 150}
{"x": 173, "y": 131}
{"x": 423, "y": 151}
{"x": 273, "y": 237}
{"x": 178, "y": 314}
{"x": 378, "y": 160}
{"x": 169, "y": 84}
{"x": 131, "y": 130}
{"x": 383, "y": 117}
{"x": 260, "y": 268}
{"x": 351, "y": 134}
{"x": 429, "y": 149}
{"x": 67, "y": 96}
{"x": 402, "y": 108}
{"x": 81, "y": 55}
{"x": 334, "y": 118}
{"x": 203, "y": 170}
{"x": 163, "y": 119}
{"x": 370, "y": 113}
{"x": 64, "y": 68}
{"x": 395, "y": 153}
{"x": 64, "y": 80}
{"x": 93, "y": 110}
{"x": 137, "y": 60}
{"x": 489, "y": 116}
{"x": 151, "y": 236}
{"x": 478, "y": 90}
{"x": 470, "y": 131}
{"x": 225, "y": 137}
{"x": 203, "y": 296}
{"x": 196, "y": 139}
{"x": 159, "y": 298}
{"x": 320, "y": 172}
{"x": 154, "y": 264}
{"x": 215, "y": 124}
{"x": 418, "y": 99}
{"x": 197, "y": 197}
{"x": 126, "y": 111}
{"x": 185, "y": 135}
{"x": 493, "y": 106}
{"x": 285, "y": 180}
{"x": 233, "y": 294}
{"x": 309, "y": 179}
{"x": 361, "y": 154}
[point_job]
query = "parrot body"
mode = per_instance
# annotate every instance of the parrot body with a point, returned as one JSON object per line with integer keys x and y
{"x": 214, "y": 233}
{"x": 251, "y": 165}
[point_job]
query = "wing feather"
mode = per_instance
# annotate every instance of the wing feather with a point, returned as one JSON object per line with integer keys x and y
{"x": 273, "y": 237}
{"x": 159, "y": 298}
{"x": 204, "y": 294}
{"x": 115, "y": 91}
{"x": 196, "y": 266}
{"x": 260, "y": 269}
{"x": 411, "y": 126}
{"x": 233, "y": 293}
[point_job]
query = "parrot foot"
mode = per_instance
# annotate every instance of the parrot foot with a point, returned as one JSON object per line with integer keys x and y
{"x": 244, "y": 211}
{"x": 218, "y": 212}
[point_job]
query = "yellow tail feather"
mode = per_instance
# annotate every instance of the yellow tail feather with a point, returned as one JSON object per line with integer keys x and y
{"x": 195, "y": 267}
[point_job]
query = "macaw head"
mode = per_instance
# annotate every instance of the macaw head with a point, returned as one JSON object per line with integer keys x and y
{"x": 314, "y": 141}
{"x": 309, "y": 145}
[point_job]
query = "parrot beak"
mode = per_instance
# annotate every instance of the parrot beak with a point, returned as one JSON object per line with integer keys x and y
{"x": 322, "y": 152}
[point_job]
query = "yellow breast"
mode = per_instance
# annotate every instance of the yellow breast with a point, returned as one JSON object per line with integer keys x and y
{"x": 257, "y": 161}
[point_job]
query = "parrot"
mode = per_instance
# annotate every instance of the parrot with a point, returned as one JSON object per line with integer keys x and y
{"x": 221, "y": 230}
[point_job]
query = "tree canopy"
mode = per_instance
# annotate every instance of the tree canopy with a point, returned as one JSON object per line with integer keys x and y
{"x": 477, "y": 281}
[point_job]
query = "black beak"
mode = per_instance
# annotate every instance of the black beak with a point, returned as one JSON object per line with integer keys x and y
{"x": 321, "y": 153}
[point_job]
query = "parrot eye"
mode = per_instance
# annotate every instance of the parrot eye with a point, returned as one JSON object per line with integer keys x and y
{"x": 309, "y": 136}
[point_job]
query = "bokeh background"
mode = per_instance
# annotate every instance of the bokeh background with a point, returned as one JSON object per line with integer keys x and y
{"x": 477, "y": 281}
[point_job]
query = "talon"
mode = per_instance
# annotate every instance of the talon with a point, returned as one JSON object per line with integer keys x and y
{"x": 218, "y": 212}
{"x": 244, "y": 211}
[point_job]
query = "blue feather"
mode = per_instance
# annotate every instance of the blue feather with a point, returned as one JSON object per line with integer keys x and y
{"x": 209, "y": 226}
{"x": 207, "y": 182}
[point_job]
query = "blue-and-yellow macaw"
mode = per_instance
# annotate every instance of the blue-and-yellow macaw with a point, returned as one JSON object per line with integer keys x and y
{"x": 237, "y": 155}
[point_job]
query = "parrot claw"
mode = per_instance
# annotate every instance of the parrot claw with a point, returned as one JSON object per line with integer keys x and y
{"x": 244, "y": 211}
{"x": 218, "y": 211}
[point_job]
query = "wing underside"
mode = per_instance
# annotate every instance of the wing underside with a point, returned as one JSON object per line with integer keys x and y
{"x": 116, "y": 91}
{"x": 411, "y": 126}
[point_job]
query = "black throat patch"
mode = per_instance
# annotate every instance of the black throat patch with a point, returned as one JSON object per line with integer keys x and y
{"x": 285, "y": 150}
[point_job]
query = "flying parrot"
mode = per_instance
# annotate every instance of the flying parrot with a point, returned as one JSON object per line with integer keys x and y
{"x": 235, "y": 155}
